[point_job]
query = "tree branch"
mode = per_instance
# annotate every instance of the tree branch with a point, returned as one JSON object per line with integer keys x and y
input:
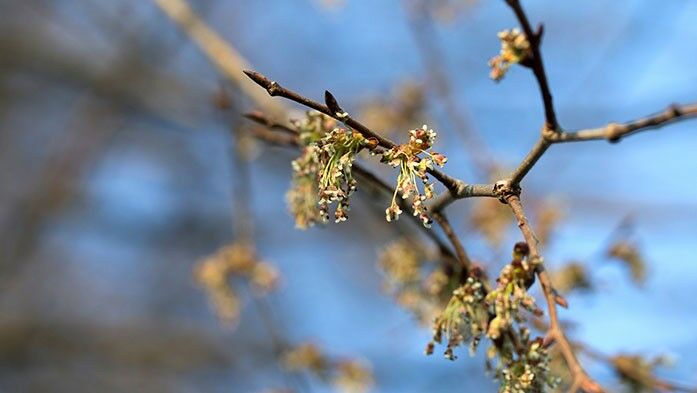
{"x": 457, "y": 187}
{"x": 228, "y": 61}
{"x": 612, "y": 132}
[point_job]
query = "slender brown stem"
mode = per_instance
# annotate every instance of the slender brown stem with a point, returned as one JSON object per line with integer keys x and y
{"x": 529, "y": 161}
{"x": 581, "y": 380}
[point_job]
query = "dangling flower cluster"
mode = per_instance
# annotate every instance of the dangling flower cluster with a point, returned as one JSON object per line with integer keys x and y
{"x": 523, "y": 364}
{"x": 347, "y": 375}
{"x": 511, "y": 296}
{"x": 337, "y": 151}
{"x": 515, "y": 48}
{"x": 236, "y": 260}
{"x": 463, "y": 320}
{"x": 302, "y": 197}
{"x": 322, "y": 174}
{"x": 421, "y": 291}
{"x": 411, "y": 166}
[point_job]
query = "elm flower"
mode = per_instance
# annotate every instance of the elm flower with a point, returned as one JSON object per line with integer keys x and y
{"x": 337, "y": 152}
{"x": 463, "y": 320}
{"x": 515, "y": 49}
{"x": 302, "y": 197}
{"x": 412, "y": 166}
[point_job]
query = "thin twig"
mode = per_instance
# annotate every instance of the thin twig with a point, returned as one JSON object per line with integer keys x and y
{"x": 614, "y": 132}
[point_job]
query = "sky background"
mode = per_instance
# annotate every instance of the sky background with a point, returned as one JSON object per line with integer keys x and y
{"x": 104, "y": 295}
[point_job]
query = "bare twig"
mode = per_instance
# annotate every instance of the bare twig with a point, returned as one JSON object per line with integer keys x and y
{"x": 615, "y": 132}
{"x": 612, "y": 132}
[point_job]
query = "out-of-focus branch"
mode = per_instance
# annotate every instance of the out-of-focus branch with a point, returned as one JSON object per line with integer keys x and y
{"x": 228, "y": 61}
{"x": 580, "y": 379}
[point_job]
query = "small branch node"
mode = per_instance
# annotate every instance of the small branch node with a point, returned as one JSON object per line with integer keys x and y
{"x": 505, "y": 189}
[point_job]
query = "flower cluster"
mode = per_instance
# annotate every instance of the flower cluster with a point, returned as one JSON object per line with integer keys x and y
{"x": 322, "y": 174}
{"x": 347, "y": 375}
{"x": 515, "y": 48}
{"x": 337, "y": 151}
{"x": 463, "y": 320}
{"x": 238, "y": 259}
{"x": 302, "y": 197}
{"x": 418, "y": 289}
{"x": 522, "y": 365}
{"x": 412, "y": 165}
{"x": 511, "y": 296}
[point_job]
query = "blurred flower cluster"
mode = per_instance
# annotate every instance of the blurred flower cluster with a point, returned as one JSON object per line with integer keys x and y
{"x": 511, "y": 295}
{"x": 404, "y": 107}
{"x": 515, "y": 49}
{"x": 412, "y": 165}
{"x": 638, "y": 373}
{"x": 464, "y": 319}
{"x": 419, "y": 285}
{"x": 236, "y": 260}
{"x": 572, "y": 276}
{"x": 347, "y": 375}
{"x": 628, "y": 253}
